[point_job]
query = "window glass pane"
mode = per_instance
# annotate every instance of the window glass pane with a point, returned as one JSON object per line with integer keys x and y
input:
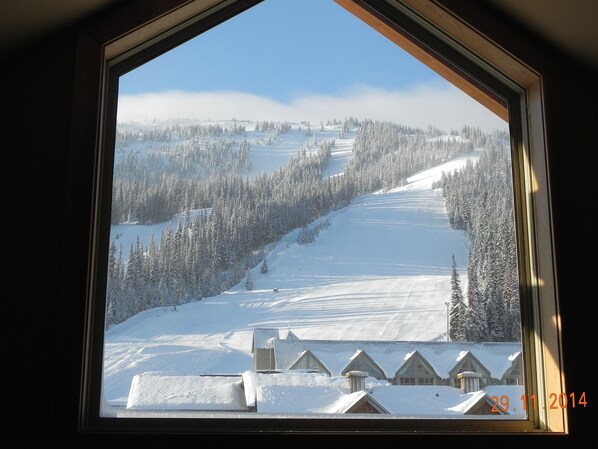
{"x": 305, "y": 219}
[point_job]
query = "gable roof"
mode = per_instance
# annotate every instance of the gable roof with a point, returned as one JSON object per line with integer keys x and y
{"x": 463, "y": 357}
{"x": 411, "y": 358}
{"x": 288, "y": 334}
{"x": 429, "y": 400}
{"x": 307, "y": 354}
{"x": 391, "y": 355}
{"x": 299, "y": 392}
{"x": 353, "y": 402}
{"x": 359, "y": 355}
{"x": 329, "y": 396}
{"x": 516, "y": 359}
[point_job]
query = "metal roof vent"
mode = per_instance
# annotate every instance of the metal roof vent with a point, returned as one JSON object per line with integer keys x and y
{"x": 356, "y": 380}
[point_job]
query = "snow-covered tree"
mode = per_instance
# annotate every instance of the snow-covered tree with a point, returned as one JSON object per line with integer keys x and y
{"x": 203, "y": 169}
{"x": 264, "y": 267}
{"x": 476, "y": 323}
{"x": 496, "y": 314}
{"x": 248, "y": 281}
{"x": 479, "y": 200}
{"x": 457, "y": 306}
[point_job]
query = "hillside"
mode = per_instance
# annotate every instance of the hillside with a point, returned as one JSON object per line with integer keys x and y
{"x": 380, "y": 270}
{"x": 269, "y": 150}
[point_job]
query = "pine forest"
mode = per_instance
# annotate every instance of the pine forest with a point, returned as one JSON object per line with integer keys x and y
{"x": 232, "y": 213}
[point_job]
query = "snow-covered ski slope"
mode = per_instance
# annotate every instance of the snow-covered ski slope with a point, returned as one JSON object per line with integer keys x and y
{"x": 381, "y": 271}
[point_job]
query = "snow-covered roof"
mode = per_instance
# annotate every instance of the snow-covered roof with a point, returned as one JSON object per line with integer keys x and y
{"x": 329, "y": 396}
{"x": 415, "y": 400}
{"x": 261, "y": 337}
{"x": 253, "y": 381}
{"x": 158, "y": 391}
{"x": 288, "y": 334}
{"x": 298, "y": 399}
{"x": 513, "y": 356}
{"x": 300, "y": 392}
{"x": 391, "y": 355}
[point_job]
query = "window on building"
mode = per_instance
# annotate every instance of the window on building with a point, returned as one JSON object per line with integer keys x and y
{"x": 207, "y": 218}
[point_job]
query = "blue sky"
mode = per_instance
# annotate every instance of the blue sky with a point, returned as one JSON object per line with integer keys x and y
{"x": 287, "y": 56}
{"x": 282, "y": 49}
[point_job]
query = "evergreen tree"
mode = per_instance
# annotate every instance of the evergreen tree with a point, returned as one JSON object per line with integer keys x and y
{"x": 114, "y": 288}
{"x": 264, "y": 267}
{"x": 134, "y": 280}
{"x": 479, "y": 200}
{"x": 476, "y": 323}
{"x": 496, "y": 315}
{"x": 457, "y": 306}
{"x": 203, "y": 170}
{"x": 514, "y": 320}
{"x": 248, "y": 281}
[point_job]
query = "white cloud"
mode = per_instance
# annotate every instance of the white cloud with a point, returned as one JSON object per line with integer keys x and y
{"x": 445, "y": 107}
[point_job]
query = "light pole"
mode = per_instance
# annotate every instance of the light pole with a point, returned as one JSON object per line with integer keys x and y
{"x": 446, "y": 303}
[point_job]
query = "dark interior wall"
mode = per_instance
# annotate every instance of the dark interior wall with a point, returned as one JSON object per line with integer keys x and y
{"x": 48, "y": 181}
{"x": 36, "y": 98}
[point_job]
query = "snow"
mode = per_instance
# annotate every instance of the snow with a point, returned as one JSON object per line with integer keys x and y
{"x": 391, "y": 355}
{"x": 261, "y": 337}
{"x": 341, "y": 155}
{"x": 296, "y": 399}
{"x": 265, "y": 158}
{"x": 304, "y": 393}
{"x": 126, "y": 234}
{"x": 259, "y": 386}
{"x": 380, "y": 271}
{"x": 425, "y": 400}
{"x": 156, "y": 391}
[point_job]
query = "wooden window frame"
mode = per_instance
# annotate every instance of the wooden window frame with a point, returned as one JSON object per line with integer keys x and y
{"x": 445, "y": 43}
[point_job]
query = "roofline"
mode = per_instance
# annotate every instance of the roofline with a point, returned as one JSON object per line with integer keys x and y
{"x": 417, "y": 342}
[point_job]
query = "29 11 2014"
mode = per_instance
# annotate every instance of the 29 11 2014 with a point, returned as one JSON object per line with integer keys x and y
{"x": 555, "y": 401}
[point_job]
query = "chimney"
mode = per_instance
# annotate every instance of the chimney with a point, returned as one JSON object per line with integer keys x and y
{"x": 356, "y": 380}
{"x": 470, "y": 381}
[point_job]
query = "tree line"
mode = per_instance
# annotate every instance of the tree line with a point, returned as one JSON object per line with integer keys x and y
{"x": 479, "y": 200}
{"x": 230, "y": 219}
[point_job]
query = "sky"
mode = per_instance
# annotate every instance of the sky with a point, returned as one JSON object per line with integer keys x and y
{"x": 381, "y": 270}
{"x": 285, "y": 60}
